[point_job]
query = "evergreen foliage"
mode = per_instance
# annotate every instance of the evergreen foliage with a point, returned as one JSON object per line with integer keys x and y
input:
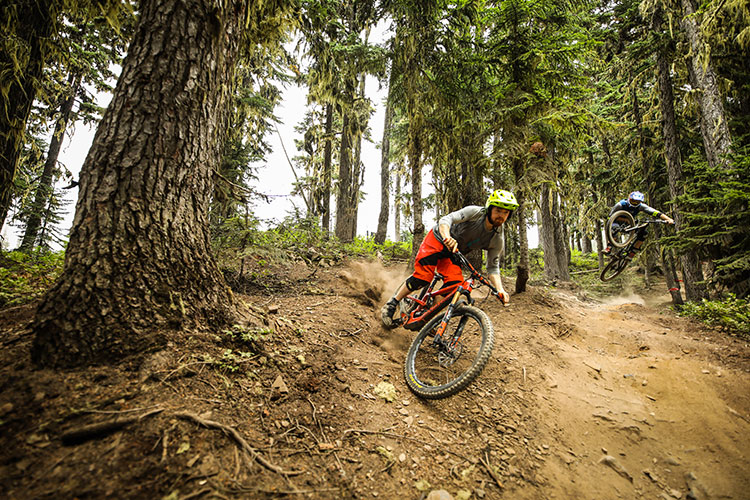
{"x": 717, "y": 205}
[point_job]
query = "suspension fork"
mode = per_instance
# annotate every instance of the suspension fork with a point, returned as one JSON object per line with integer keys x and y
{"x": 448, "y": 315}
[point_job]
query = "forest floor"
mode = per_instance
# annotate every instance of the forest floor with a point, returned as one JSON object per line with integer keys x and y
{"x": 582, "y": 398}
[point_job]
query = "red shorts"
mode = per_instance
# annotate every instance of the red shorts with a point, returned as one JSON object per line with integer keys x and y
{"x": 432, "y": 256}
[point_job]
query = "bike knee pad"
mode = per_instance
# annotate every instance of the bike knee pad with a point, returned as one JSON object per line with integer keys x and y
{"x": 413, "y": 283}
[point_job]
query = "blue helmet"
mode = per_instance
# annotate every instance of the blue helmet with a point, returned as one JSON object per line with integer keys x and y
{"x": 635, "y": 198}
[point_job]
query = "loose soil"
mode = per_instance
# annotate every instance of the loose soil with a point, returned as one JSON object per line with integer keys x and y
{"x": 582, "y": 398}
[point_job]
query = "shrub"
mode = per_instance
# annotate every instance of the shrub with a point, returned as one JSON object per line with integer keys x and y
{"x": 25, "y": 277}
{"x": 730, "y": 314}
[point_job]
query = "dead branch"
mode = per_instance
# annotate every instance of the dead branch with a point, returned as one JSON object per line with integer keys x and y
{"x": 486, "y": 462}
{"x": 101, "y": 429}
{"x": 234, "y": 434}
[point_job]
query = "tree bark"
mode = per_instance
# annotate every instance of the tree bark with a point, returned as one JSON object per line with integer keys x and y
{"x": 522, "y": 270}
{"x": 33, "y": 29}
{"x": 385, "y": 170}
{"x": 692, "y": 273}
{"x": 562, "y": 248}
{"x": 397, "y": 206}
{"x": 358, "y": 168}
{"x": 547, "y": 235}
{"x": 139, "y": 257}
{"x": 45, "y": 189}
{"x": 714, "y": 126}
{"x": 327, "y": 152}
{"x": 343, "y": 203}
{"x": 415, "y": 161}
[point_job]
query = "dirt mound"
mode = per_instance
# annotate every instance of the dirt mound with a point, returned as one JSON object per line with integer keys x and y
{"x": 580, "y": 400}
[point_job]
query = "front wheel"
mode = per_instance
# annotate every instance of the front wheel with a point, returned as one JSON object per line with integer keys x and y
{"x": 617, "y": 228}
{"x": 440, "y": 367}
{"x": 614, "y": 268}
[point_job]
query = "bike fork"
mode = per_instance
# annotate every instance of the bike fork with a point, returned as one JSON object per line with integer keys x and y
{"x": 444, "y": 322}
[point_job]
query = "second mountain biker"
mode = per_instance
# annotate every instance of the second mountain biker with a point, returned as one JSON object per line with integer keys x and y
{"x": 634, "y": 204}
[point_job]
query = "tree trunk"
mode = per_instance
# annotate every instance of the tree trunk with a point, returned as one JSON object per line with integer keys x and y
{"x": 46, "y": 182}
{"x": 358, "y": 168}
{"x": 33, "y": 29}
{"x": 547, "y": 236}
{"x": 344, "y": 220}
{"x": 522, "y": 271}
{"x": 598, "y": 229}
{"x": 692, "y": 273}
{"x": 562, "y": 248}
{"x": 385, "y": 170}
{"x": 714, "y": 126}
{"x": 586, "y": 247}
{"x": 327, "y": 152}
{"x": 397, "y": 206}
{"x": 139, "y": 258}
{"x": 415, "y": 161}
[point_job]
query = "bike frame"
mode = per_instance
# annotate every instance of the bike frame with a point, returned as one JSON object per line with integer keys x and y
{"x": 418, "y": 317}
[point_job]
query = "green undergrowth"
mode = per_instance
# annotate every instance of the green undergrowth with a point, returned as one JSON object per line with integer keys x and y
{"x": 730, "y": 313}
{"x": 242, "y": 245}
{"x": 25, "y": 277}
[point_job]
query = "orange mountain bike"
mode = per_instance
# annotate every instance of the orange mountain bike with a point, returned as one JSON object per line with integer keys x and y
{"x": 451, "y": 349}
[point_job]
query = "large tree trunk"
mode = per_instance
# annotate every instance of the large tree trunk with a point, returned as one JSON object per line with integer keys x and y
{"x": 33, "y": 28}
{"x": 45, "y": 188}
{"x": 692, "y": 273}
{"x": 327, "y": 152}
{"x": 139, "y": 255}
{"x": 714, "y": 126}
{"x": 385, "y": 170}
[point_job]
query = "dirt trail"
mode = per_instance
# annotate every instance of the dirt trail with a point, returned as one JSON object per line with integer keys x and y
{"x": 581, "y": 399}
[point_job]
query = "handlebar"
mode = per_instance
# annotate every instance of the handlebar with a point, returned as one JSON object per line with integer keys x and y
{"x": 476, "y": 274}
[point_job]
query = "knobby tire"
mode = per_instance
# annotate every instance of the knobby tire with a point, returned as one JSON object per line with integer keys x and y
{"x": 424, "y": 374}
{"x": 616, "y": 238}
{"x": 613, "y": 269}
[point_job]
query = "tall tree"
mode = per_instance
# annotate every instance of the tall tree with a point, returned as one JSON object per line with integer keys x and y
{"x": 145, "y": 189}
{"x": 44, "y": 189}
{"x": 26, "y": 47}
{"x": 385, "y": 167}
{"x": 692, "y": 272}
{"x": 714, "y": 123}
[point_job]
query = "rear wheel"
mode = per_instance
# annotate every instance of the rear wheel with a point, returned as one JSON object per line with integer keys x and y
{"x": 614, "y": 268}
{"x": 621, "y": 234}
{"x": 439, "y": 368}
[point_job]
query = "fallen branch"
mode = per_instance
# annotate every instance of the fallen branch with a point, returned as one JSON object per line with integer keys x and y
{"x": 234, "y": 434}
{"x": 486, "y": 462}
{"x": 101, "y": 429}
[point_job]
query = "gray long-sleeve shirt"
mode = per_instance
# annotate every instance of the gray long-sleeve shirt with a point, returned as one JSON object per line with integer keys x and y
{"x": 467, "y": 228}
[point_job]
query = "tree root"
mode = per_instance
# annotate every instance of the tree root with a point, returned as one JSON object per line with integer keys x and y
{"x": 101, "y": 429}
{"x": 234, "y": 434}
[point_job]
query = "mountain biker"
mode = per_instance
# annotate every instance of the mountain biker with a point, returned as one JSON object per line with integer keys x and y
{"x": 634, "y": 204}
{"x": 470, "y": 228}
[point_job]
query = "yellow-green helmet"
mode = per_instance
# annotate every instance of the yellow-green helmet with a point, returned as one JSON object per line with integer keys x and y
{"x": 503, "y": 199}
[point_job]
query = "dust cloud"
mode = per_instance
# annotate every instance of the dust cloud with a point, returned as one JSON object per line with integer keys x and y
{"x": 378, "y": 283}
{"x": 631, "y": 298}
{"x": 373, "y": 279}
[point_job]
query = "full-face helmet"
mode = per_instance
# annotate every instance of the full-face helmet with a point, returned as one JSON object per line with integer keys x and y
{"x": 635, "y": 198}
